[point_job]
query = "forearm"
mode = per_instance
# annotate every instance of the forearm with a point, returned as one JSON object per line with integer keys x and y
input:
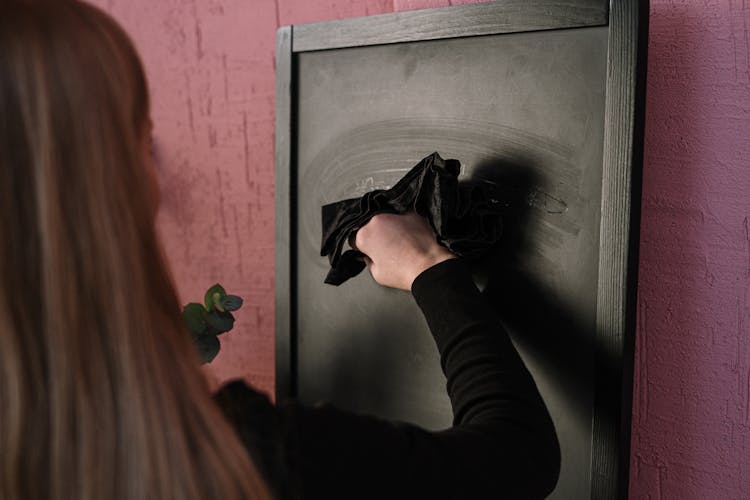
{"x": 495, "y": 402}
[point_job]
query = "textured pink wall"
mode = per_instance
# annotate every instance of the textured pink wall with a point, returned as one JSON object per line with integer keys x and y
{"x": 210, "y": 64}
{"x": 691, "y": 415}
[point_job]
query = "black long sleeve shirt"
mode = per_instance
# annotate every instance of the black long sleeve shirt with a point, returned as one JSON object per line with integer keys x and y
{"x": 502, "y": 443}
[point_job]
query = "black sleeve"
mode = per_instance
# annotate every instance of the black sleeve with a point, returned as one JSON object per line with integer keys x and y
{"x": 502, "y": 443}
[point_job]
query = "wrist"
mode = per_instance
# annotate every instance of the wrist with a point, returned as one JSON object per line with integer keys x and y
{"x": 430, "y": 260}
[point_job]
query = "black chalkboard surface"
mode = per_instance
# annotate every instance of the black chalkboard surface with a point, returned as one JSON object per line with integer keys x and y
{"x": 542, "y": 99}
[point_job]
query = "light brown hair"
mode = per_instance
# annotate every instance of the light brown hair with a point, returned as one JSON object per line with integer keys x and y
{"x": 100, "y": 392}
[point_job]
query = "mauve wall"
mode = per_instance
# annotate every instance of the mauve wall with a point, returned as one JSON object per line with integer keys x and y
{"x": 691, "y": 414}
{"x": 211, "y": 68}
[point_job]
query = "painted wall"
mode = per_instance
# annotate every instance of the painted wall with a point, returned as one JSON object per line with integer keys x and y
{"x": 691, "y": 415}
{"x": 211, "y": 68}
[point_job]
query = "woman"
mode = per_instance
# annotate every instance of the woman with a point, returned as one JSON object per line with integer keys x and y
{"x": 100, "y": 391}
{"x": 100, "y": 397}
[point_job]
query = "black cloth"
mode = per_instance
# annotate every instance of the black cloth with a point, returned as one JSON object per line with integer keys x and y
{"x": 465, "y": 216}
{"x": 502, "y": 443}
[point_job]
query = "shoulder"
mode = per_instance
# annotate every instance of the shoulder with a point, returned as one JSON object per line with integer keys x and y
{"x": 261, "y": 428}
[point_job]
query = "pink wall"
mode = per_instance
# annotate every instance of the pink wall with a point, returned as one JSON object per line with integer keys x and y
{"x": 691, "y": 415}
{"x": 210, "y": 65}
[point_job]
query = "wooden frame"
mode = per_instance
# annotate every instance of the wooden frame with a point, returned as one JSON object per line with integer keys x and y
{"x": 627, "y": 21}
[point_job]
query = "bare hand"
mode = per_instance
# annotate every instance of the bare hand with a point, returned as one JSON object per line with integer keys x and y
{"x": 399, "y": 247}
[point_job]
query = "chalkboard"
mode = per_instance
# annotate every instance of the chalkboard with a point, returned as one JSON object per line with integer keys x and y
{"x": 540, "y": 99}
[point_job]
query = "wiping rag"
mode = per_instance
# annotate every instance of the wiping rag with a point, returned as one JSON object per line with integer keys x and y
{"x": 465, "y": 217}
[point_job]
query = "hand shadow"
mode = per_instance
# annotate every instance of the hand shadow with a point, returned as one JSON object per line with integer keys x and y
{"x": 556, "y": 342}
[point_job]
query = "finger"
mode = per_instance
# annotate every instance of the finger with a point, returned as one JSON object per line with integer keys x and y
{"x": 352, "y": 240}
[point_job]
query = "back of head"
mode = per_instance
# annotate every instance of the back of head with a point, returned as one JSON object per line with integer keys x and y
{"x": 100, "y": 393}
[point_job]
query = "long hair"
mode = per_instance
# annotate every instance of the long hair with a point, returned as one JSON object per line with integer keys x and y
{"x": 101, "y": 396}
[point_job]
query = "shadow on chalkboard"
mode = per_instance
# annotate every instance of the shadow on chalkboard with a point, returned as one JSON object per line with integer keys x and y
{"x": 541, "y": 324}
{"x": 543, "y": 327}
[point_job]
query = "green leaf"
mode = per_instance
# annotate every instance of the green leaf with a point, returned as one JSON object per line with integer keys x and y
{"x": 219, "y": 322}
{"x": 208, "y": 347}
{"x": 213, "y": 297}
{"x": 194, "y": 316}
{"x": 231, "y": 302}
{"x": 205, "y": 323}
